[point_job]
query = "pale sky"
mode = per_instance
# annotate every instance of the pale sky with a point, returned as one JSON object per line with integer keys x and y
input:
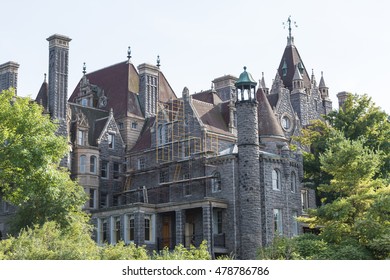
{"x": 200, "y": 40}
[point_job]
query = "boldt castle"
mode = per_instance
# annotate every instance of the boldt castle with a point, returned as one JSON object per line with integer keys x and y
{"x": 162, "y": 170}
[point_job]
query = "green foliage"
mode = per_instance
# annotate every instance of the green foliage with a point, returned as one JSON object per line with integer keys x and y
{"x": 120, "y": 251}
{"x": 30, "y": 176}
{"x": 360, "y": 118}
{"x": 182, "y": 253}
{"x": 50, "y": 242}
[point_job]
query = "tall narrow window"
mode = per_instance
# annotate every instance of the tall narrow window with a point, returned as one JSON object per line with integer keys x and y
{"x": 131, "y": 228}
{"x": 81, "y": 137}
{"x": 216, "y": 182}
{"x": 116, "y": 170}
{"x": 141, "y": 163}
{"x": 217, "y": 217}
{"x": 276, "y": 179}
{"x": 278, "y": 225}
{"x": 82, "y": 163}
{"x": 293, "y": 182}
{"x": 304, "y": 200}
{"x": 92, "y": 198}
{"x": 92, "y": 164}
{"x": 147, "y": 228}
{"x": 294, "y": 222}
{"x": 104, "y": 231}
{"x": 117, "y": 229}
{"x": 111, "y": 141}
{"x": 104, "y": 173}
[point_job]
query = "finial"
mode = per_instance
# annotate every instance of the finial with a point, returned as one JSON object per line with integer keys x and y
{"x": 322, "y": 73}
{"x": 244, "y": 68}
{"x": 44, "y": 79}
{"x": 158, "y": 61}
{"x": 84, "y": 69}
{"x": 128, "y": 53}
{"x": 289, "y": 38}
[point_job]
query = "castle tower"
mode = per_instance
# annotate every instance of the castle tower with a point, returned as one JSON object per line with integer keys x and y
{"x": 248, "y": 165}
{"x": 9, "y": 75}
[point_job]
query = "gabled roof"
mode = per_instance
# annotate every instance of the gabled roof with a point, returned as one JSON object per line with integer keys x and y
{"x": 120, "y": 83}
{"x": 165, "y": 90}
{"x": 290, "y": 60}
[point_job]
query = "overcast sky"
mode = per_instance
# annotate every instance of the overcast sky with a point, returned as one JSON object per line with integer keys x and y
{"x": 200, "y": 40}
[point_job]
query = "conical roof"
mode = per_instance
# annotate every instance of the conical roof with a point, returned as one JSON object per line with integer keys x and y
{"x": 268, "y": 124}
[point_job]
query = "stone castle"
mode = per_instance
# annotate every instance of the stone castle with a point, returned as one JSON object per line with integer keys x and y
{"x": 162, "y": 170}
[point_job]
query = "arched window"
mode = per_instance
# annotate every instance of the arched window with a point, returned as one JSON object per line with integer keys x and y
{"x": 293, "y": 182}
{"x": 216, "y": 182}
{"x": 82, "y": 163}
{"x": 276, "y": 179}
{"x": 92, "y": 164}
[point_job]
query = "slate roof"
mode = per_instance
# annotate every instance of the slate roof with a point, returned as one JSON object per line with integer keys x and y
{"x": 145, "y": 139}
{"x": 292, "y": 58}
{"x": 211, "y": 117}
{"x": 268, "y": 124}
{"x": 120, "y": 83}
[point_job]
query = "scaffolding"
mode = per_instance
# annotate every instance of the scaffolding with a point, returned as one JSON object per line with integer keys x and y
{"x": 174, "y": 141}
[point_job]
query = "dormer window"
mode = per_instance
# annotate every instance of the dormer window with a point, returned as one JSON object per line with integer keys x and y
{"x": 82, "y": 137}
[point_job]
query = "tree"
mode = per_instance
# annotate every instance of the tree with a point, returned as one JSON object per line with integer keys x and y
{"x": 359, "y": 216}
{"x": 30, "y": 176}
{"x": 360, "y": 118}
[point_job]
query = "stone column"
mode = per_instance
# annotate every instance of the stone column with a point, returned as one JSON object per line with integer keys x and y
{"x": 207, "y": 225}
{"x": 179, "y": 226}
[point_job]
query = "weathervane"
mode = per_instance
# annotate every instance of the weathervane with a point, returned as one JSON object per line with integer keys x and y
{"x": 289, "y": 26}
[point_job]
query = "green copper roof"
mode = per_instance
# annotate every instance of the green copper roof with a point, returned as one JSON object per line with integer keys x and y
{"x": 245, "y": 79}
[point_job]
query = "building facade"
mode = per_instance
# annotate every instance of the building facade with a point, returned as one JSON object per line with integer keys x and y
{"x": 162, "y": 170}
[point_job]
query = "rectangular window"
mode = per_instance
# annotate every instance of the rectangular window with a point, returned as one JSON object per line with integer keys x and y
{"x": 278, "y": 225}
{"x": 104, "y": 231}
{"x": 294, "y": 228}
{"x": 92, "y": 164}
{"x": 82, "y": 163}
{"x": 216, "y": 182}
{"x": 111, "y": 141}
{"x": 164, "y": 176}
{"x": 131, "y": 228}
{"x": 92, "y": 198}
{"x": 116, "y": 170}
{"x": 275, "y": 179}
{"x": 105, "y": 168}
{"x": 148, "y": 228}
{"x": 219, "y": 222}
{"x": 117, "y": 229}
{"x": 134, "y": 125}
{"x": 81, "y": 137}
{"x": 304, "y": 200}
{"x": 121, "y": 125}
{"x": 141, "y": 163}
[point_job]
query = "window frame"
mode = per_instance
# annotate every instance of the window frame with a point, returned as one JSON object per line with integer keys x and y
{"x": 276, "y": 184}
{"x": 216, "y": 185}
{"x": 278, "y": 221}
{"x": 82, "y": 164}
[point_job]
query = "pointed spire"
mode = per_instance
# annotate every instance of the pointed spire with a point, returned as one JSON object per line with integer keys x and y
{"x": 297, "y": 74}
{"x": 158, "y": 61}
{"x": 263, "y": 80}
{"x": 313, "y": 78}
{"x": 128, "y": 54}
{"x": 322, "y": 81}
